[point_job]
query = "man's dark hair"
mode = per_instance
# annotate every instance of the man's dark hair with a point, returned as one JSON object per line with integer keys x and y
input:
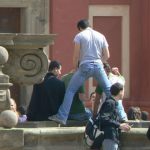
{"x": 83, "y": 24}
{"x": 116, "y": 88}
{"x": 54, "y": 64}
{"x": 134, "y": 113}
{"x": 144, "y": 115}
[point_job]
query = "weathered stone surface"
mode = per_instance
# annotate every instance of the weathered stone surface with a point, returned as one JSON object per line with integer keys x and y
{"x": 45, "y": 124}
{"x": 27, "y": 63}
{"x": 135, "y": 140}
{"x": 26, "y": 66}
{"x": 11, "y": 139}
{"x": 139, "y": 123}
{"x": 73, "y": 123}
{"x": 31, "y": 137}
{"x": 55, "y": 138}
{"x": 37, "y": 124}
{"x": 3, "y": 55}
{"x": 66, "y": 138}
{"x": 4, "y": 98}
{"x": 25, "y": 41}
{"x": 8, "y": 119}
{"x": 4, "y": 81}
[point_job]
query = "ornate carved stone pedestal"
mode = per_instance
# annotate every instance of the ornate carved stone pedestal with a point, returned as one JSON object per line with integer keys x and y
{"x": 27, "y": 63}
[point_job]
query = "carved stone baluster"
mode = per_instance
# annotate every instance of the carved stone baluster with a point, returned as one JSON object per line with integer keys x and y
{"x": 27, "y": 63}
{"x": 4, "y": 82}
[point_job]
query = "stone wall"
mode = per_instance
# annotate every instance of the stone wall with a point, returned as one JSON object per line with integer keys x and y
{"x": 62, "y": 138}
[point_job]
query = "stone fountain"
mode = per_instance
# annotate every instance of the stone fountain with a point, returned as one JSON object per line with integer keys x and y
{"x": 24, "y": 61}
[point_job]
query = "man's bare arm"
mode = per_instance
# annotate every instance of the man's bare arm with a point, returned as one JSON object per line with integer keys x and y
{"x": 76, "y": 55}
{"x": 105, "y": 54}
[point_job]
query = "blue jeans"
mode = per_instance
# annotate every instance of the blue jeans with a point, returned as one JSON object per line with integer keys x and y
{"x": 121, "y": 111}
{"x": 85, "y": 71}
{"x": 109, "y": 145}
{"x": 81, "y": 116}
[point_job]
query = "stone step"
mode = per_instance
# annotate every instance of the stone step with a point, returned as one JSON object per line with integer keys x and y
{"x": 40, "y": 124}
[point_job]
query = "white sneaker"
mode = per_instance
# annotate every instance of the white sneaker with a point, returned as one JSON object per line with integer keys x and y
{"x": 56, "y": 119}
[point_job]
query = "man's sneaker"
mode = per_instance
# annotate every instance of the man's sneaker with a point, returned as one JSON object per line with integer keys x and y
{"x": 56, "y": 119}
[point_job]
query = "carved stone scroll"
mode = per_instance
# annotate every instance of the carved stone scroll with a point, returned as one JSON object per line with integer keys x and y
{"x": 26, "y": 66}
{"x": 27, "y": 63}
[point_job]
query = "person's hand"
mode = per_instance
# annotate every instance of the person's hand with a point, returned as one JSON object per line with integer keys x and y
{"x": 115, "y": 70}
{"x": 125, "y": 127}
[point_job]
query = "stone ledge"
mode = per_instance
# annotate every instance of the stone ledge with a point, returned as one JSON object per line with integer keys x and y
{"x": 139, "y": 124}
{"x": 25, "y": 40}
{"x": 11, "y": 139}
{"x": 40, "y": 124}
{"x": 135, "y": 140}
{"x": 64, "y": 138}
{"x": 73, "y": 123}
{"x": 37, "y": 124}
{"x": 59, "y": 138}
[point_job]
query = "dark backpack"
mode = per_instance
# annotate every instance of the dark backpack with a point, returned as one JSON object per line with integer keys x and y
{"x": 93, "y": 135}
{"x": 148, "y": 133}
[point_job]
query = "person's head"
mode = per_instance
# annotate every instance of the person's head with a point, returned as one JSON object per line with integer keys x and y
{"x": 134, "y": 113}
{"x": 117, "y": 91}
{"x": 13, "y": 105}
{"x": 144, "y": 115}
{"x": 55, "y": 67}
{"x": 82, "y": 24}
{"x": 107, "y": 68}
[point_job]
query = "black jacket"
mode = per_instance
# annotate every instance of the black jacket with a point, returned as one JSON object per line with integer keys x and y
{"x": 110, "y": 119}
{"x": 46, "y": 98}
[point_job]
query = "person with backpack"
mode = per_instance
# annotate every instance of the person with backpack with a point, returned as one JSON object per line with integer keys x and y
{"x": 110, "y": 118}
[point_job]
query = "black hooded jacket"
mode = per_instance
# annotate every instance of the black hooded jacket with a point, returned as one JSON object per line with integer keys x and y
{"x": 46, "y": 98}
{"x": 110, "y": 119}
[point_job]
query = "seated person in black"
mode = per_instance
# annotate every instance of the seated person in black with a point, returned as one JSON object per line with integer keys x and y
{"x": 47, "y": 96}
